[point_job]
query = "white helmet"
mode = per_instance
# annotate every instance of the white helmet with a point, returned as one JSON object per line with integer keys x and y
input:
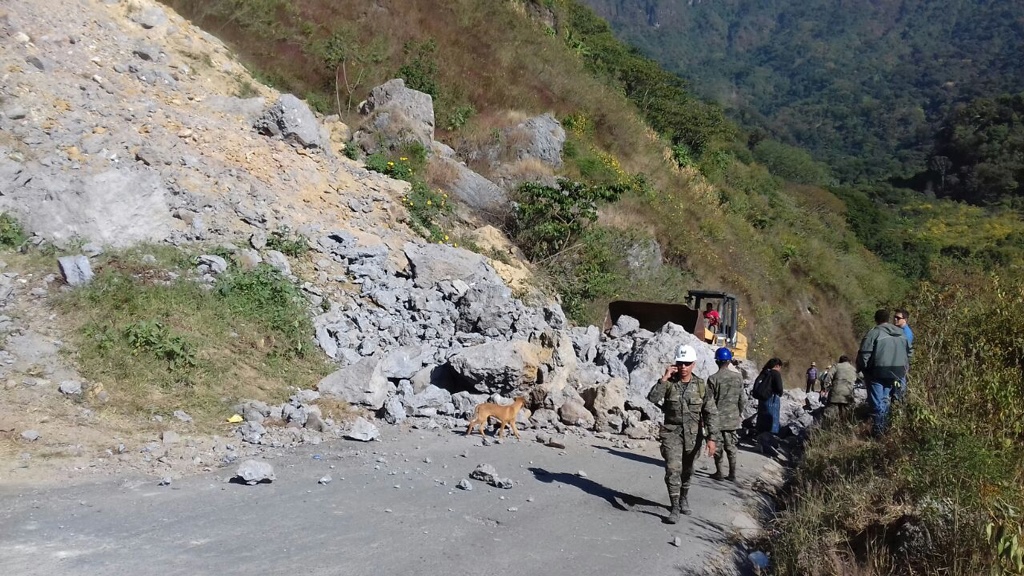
{"x": 686, "y": 353}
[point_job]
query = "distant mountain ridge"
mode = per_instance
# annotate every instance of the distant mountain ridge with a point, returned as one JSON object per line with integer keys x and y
{"x": 863, "y": 84}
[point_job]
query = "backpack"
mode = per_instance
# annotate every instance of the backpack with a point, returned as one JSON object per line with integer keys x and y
{"x": 762, "y": 389}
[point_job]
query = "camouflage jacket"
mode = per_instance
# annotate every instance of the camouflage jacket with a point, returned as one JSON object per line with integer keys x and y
{"x": 726, "y": 386}
{"x": 686, "y": 407}
{"x": 840, "y": 380}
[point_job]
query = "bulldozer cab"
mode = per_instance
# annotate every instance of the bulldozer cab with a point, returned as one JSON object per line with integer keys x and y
{"x": 653, "y": 315}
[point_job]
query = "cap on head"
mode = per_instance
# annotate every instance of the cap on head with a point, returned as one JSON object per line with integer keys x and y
{"x": 723, "y": 354}
{"x": 814, "y": 363}
{"x": 686, "y": 353}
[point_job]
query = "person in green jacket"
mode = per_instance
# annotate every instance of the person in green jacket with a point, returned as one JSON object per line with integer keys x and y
{"x": 883, "y": 358}
{"x": 726, "y": 386}
{"x": 691, "y": 416}
{"x": 840, "y": 379}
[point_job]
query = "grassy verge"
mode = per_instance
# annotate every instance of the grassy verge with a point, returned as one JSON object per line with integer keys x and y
{"x": 158, "y": 341}
{"x": 942, "y": 492}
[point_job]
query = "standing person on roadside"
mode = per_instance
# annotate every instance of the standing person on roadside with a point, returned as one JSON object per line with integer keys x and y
{"x": 688, "y": 409}
{"x": 768, "y": 409}
{"x": 840, "y": 379}
{"x": 883, "y": 356}
{"x": 726, "y": 386}
{"x": 812, "y": 377}
{"x": 902, "y": 320}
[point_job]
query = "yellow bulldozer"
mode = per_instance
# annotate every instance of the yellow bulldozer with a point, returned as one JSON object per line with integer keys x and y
{"x": 653, "y": 315}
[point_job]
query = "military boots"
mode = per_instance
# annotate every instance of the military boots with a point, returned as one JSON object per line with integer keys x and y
{"x": 684, "y": 506}
{"x": 732, "y": 469}
{"x": 673, "y": 514}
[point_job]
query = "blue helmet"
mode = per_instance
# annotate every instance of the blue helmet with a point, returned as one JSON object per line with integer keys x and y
{"x": 723, "y": 354}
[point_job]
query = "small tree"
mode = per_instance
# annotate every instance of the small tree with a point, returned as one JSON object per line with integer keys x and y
{"x": 546, "y": 220}
{"x": 342, "y": 51}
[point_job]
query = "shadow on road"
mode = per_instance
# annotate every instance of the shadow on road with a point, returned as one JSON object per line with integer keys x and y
{"x": 618, "y": 500}
{"x": 632, "y": 456}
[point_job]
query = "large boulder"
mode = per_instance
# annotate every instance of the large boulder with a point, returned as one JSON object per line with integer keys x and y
{"x": 433, "y": 263}
{"x": 471, "y": 188}
{"x": 361, "y": 383}
{"x": 499, "y": 366}
{"x": 486, "y": 308}
{"x": 289, "y": 118}
{"x": 608, "y": 404}
{"x": 539, "y": 138}
{"x": 116, "y": 207}
{"x": 648, "y": 362}
{"x": 396, "y": 115}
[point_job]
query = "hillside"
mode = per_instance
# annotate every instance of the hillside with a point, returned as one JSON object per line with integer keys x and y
{"x": 724, "y": 224}
{"x": 864, "y": 85}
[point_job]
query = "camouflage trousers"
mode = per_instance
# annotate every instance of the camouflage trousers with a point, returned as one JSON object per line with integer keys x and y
{"x": 730, "y": 441}
{"x": 678, "y": 460}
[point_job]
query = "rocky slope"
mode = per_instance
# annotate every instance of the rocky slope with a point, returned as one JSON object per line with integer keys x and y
{"x": 121, "y": 123}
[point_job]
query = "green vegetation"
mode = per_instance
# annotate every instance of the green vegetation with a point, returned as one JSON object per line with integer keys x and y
{"x": 977, "y": 155}
{"x": 863, "y": 86}
{"x": 942, "y": 492}
{"x": 287, "y": 242}
{"x": 12, "y": 235}
{"x": 429, "y": 210}
{"x": 547, "y": 220}
{"x": 160, "y": 342}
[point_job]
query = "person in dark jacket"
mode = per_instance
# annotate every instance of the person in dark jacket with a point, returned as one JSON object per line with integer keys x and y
{"x": 768, "y": 410}
{"x": 812, "y": 377}
{"x": 883, "y": 359}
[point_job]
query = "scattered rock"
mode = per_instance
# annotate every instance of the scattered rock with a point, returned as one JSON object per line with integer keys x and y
{"x": 70, "y": 388}
{"x": 465, "y": 484}
{"x": 363, "y": 430}
{"x": 75, "y": 269}
{"x": 253, "y": 472}
{"x": 217, "y": 264}
{"x": 182, "y": 416}
{"x": 165, "y": 481}
{"x": 487, "y": 473}
{"x": 30, "y": 435}
{"x": 324, "y": 480}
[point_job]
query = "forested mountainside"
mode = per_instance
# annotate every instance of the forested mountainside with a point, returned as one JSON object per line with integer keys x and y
{"x": 865, "y": 85}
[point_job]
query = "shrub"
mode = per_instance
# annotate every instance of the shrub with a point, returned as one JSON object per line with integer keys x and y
{"x": 286, "y": 242}
{"x": 12, "y": 235}
{"x": 428, "y": 207}
{"x": 267, "y": 297}
{"x": 546, "y": 220}
{"x": 152, "y": 336}
{"x": 351, "y": 150}
{"x": 420, "y": 69}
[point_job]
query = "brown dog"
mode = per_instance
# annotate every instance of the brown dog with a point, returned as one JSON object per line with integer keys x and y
{"x": 505, "y": 414}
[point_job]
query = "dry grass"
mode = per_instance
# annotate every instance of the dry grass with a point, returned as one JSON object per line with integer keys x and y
{"x": 441, "y": 174}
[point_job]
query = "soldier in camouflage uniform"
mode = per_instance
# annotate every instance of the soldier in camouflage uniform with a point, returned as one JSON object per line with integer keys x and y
{"x": 687, "y": 405}
{"x": 726, "y": 387}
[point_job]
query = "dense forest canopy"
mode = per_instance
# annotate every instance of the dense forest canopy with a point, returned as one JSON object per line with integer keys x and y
{"x": 863, "y": 84}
